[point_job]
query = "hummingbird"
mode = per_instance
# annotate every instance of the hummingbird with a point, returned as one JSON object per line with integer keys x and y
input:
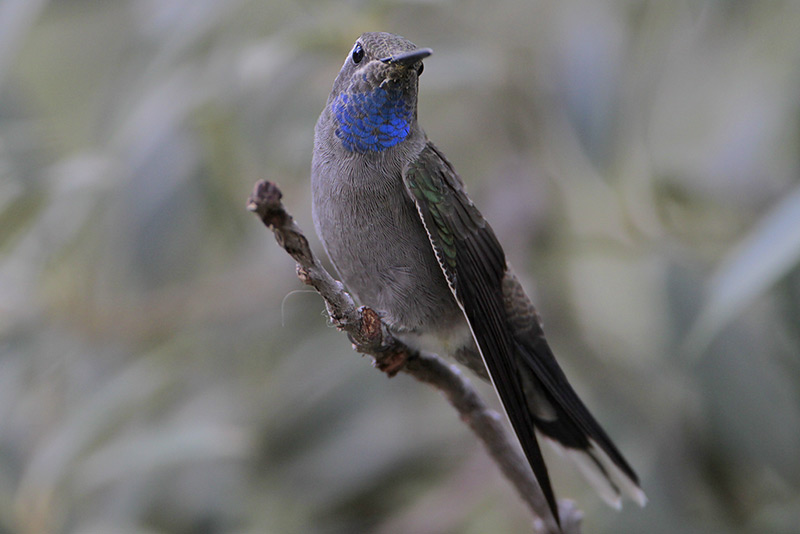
{"x": 397, "y": 224}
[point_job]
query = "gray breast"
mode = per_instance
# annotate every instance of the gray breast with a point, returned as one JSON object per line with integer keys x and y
{"x": 373, "y": 235}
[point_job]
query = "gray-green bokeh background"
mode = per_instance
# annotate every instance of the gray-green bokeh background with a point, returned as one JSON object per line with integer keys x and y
{"x": 160, "y": 372}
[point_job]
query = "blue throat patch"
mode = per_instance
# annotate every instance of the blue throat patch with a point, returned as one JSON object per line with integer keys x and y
{"x": 372, "y": 121}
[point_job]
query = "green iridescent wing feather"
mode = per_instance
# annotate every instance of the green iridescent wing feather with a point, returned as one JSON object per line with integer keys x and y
{"x": 474, "y": 265}
{"x": 506, "y": 328}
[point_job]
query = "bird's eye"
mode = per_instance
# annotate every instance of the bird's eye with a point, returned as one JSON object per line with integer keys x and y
{"x": 358, "y": 53}
{"x": 419, "y": 69}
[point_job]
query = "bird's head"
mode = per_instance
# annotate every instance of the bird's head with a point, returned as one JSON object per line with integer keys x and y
{"x": 374, "y": 98}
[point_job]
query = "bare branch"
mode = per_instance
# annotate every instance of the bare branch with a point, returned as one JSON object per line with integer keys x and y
{"x": 370, "y": 336}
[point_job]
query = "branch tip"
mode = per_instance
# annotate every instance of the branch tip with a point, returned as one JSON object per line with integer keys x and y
{"x": 265, "y": 201}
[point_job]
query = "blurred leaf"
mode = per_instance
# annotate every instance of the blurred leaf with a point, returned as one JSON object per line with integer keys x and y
{"x": 16, "y": 18}
{"x": 750, "y": 397}
{"x": 20, "y": 212}
{"x": 764, "y": 256}
{"x": 85, "y": 425}
{"x": 158, "y": 448}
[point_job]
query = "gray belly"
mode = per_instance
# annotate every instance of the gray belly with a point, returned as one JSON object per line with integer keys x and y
{"x": 376, "y": 241}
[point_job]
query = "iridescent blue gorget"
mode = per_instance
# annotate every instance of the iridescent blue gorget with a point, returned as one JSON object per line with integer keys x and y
{"x": 372, "y": 121}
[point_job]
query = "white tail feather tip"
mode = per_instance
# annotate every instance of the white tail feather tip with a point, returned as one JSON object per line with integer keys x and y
{"x": 610, "y": 485}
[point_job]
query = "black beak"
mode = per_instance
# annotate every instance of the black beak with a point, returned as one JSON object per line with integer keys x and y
{"x": 408, "y": 58}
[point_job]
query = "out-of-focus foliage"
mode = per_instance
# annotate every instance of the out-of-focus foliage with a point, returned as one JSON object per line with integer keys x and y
{"x": 160, "y": 372}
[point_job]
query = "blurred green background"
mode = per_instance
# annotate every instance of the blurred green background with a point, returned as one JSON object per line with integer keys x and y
{"x": 162, "y": 370}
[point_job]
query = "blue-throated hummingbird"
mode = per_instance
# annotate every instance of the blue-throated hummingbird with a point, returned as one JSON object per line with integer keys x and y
{"x": 397, "y": 224}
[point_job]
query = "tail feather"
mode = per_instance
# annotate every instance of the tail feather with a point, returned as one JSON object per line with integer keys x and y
{"x": 556, "y": 410}
{"x": 571, "y": 427}
{"x": 610, "y": 483}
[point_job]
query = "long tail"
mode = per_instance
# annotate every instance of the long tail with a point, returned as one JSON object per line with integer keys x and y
{"x": 558, "y": 412}
{"x": 559, "y": 415}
